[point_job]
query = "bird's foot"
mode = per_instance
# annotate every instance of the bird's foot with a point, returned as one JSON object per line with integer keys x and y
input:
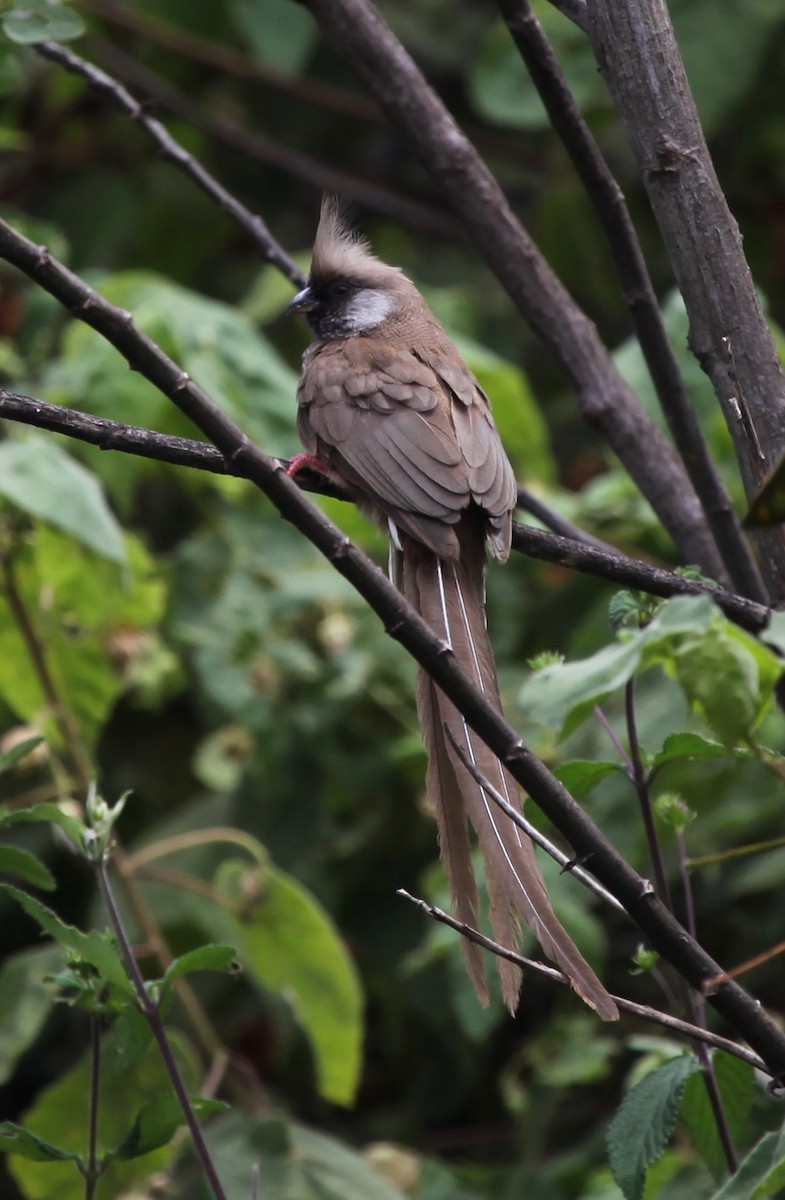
{"x": 301, "y": 461}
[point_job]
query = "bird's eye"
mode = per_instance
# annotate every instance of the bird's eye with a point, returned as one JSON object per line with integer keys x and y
{"x": 340, "y": 288}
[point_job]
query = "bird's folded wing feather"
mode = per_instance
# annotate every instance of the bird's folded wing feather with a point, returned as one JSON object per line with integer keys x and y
{"x": 390, "y": 425}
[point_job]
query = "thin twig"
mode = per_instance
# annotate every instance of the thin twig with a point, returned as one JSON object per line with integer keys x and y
{"x": 638, "y": 1010}
{"x": 537, "y": 507}
{"x": 578, "y": 552}
{"x": 173, "y": 152}
{"x": 152, "y": 1014}
{"x": 611, "y": 210}
{"x": 403, "y": 623}
{"x": 698, "y": 1005}
{"x": 92, "y": 1171}
{"x": 565, "y": 862}
{"x": 640, "y": 780}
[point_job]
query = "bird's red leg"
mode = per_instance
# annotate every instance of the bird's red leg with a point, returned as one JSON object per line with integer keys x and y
{"x": 301, "y": 461}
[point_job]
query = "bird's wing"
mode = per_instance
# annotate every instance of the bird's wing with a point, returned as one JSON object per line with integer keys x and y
{"x": 385, "y": 421}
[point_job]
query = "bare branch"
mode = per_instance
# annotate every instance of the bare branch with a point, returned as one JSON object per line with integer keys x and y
{"x": 639, "y": 1010}
{"x": 576, "y": 549}
{"x": 613, "y": 215}
{"x": 357, "y": 32}
{"x": 575, "y": 11}
{"x": 638, "y": 55}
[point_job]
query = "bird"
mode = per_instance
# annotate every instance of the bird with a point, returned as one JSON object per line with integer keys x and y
{"x": 388, "y": 409}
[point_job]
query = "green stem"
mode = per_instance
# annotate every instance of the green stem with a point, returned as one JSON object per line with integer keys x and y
{"x": 152, "y": 1013}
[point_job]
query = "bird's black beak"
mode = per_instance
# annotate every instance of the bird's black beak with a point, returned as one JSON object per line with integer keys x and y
{"x": 304, "y": 302}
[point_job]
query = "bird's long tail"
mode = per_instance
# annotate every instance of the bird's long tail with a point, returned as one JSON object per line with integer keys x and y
{"x": 450, "y": 595}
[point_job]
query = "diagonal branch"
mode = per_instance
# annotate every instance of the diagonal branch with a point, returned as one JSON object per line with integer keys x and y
{"x": 569, "y": 546}
{"x": 638, "y": 291}
{"x": 404, "y": 624}
{"x": 358, "y": 34}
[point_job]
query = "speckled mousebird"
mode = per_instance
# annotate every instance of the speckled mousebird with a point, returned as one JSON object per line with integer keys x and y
{"x": 391, "y": 411}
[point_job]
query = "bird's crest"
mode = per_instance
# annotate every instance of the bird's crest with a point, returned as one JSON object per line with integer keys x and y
{"x": 337, "y": 250}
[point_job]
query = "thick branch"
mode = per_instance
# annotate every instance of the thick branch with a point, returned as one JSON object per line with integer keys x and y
{"x": 404, "y": 624}
{"x": 638, "y": 55}
{"x": 569, "y": 546}
{"x": 357, "y": 32}
{"x": 613, "y": 215}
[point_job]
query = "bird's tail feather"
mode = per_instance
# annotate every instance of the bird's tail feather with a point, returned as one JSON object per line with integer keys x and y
{"x": 450, "y": 596}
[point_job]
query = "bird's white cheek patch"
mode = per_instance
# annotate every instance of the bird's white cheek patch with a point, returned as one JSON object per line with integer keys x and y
{"x": 368, "y": 308}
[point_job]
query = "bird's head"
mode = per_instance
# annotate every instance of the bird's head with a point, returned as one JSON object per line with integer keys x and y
{"x": 350, "y": 293}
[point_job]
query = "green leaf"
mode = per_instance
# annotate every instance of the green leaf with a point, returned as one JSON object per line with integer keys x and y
{"x": 277, "y": 33}
{"x": 760, "y": 1173}
{"x": 639, "y": 1132}
{"x": 581, "y": 775}
{"x": 23, "y": 975}
{"x": 41, "y": 21}
{"x": 15, "y": 1139}
{"x": 688, "y": 745}
{"x": 15, "y": 861}
{"x": 289, "y": 944}
{"x": 565, "y": 694}
{"x": 157, "y": 1123}
{"x": 736, "y": 1082}
{"x": 59, "y": 1114}
{"x": 45, "y": 482}
{"x": 721, "y": 681}
{"x": 211, "y": 957}
{"x": 97, "y": 949}
{"x": 72, "y": 827}
{"x": 10, "y": 758}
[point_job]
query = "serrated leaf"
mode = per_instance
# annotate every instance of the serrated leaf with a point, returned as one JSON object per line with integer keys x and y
{"x": 639, "y": 1132}
{"x": 72, "y": 827}
{"x": 289, "y": 944}
{"x": 95, "y": 948}
{"x": 736, "y": 1083}
{"x": 15, "y": 1139}
{"x": 15, "y": 861}
{"x": 688, "y": 745}
{"x": 759, "y": 1172}
{"x": 41, "y": 479}
{"x": 157, "y": 1123}
{"x": 10, "y": 758}
{"x": 40, "y": 21}
{"x": 721, "y": 681}
{"x": 581, "y": 775}
{"x": 212, "y": 957}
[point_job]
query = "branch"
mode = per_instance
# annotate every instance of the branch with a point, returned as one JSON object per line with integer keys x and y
{"x": 635, "y": 46}
{"x": 636, "y": 286}
{"x": 357, "y": 32}
{"x": 173, "y": 152}
{"x": 404, "y": 624}
{"x": 575, "y": 11}
{"x": 639, "y": 1010}
{"x": 574, "y": 549}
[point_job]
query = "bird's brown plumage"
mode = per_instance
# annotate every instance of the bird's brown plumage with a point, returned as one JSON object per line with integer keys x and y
{"x": 392, "y": 411}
